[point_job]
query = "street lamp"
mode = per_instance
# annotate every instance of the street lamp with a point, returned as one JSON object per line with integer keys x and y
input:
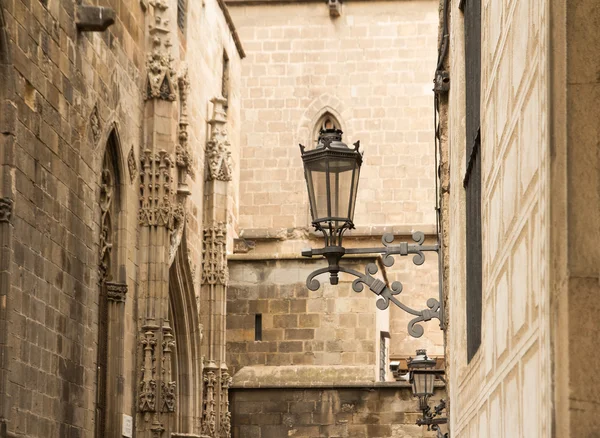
{"x": 332, "y": 170}
{"x": 422, "y": 374}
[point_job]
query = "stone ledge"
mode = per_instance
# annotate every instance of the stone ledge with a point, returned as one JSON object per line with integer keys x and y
{"x": 302, "y": 233}
{"x": 308, "y": 376}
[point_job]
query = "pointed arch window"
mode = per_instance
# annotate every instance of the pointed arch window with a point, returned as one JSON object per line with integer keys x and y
{"x": 109, "y": 202}
{"x": 111, "y": 309}
{"x": 326, "y": 121}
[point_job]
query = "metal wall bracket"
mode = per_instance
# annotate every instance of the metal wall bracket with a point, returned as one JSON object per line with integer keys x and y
{"x": 94, "y": 18}
{"x": 441, "y": 83}
{"x": 387, "y": 295}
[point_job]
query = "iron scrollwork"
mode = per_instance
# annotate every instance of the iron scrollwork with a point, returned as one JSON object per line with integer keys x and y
{"x": 386, "y": 294}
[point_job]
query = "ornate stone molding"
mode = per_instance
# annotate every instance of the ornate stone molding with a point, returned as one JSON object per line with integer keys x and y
{"x": 168, "y": 384}
{"x": 131, "y": 164}
{"x": 157, "y": 206}
{"x": 116, "y": 292}
{"x": 214, "y": 252}
{"x": 184, "y": 157}
{"x": 161, "y": 81}
{"x": 177, "y": 230}
{"x": 95, "y": 125}
{"x": 225, "y": 429}
{"x": 106, "y": 227}
{"x": 147, "y": 396}
{"x": 209, "y": 417}
{"x": 219, "y": 164}
{"x": 6, "y": 208}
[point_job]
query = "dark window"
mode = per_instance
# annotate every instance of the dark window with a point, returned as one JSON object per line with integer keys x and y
{"x": 181, "y": 4}
{"x": 225, "y": 77}
{"x": 258, "y": 327}
{"x": 472, "y": 182}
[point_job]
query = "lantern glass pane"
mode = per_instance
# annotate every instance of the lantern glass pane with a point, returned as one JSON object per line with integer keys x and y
{"x": 355, "y": 176}
{"x": 340, "y": 183}
{"x": 317, "y": 187}
{"x": 423, "y": 383}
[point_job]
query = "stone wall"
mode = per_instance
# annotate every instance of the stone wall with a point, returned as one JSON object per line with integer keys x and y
{"x": 371, "y": 69}
{"x": 359, "y": 412}
{"x": 67, "y": 96}
{"x": 331, "y": 326}
{"x": 505, "y": 390}
{"x": 69, "y": 90}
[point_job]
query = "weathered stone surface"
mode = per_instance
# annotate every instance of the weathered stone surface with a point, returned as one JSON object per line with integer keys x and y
{"x": 365, "y": 412}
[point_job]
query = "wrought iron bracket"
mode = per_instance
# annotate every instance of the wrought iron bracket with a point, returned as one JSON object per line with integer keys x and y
{"x": 432, "y": 419}
{"x": 386, "y": 294}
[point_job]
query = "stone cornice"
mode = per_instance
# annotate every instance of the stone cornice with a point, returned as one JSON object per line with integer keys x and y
{"x": 232, "y": 29}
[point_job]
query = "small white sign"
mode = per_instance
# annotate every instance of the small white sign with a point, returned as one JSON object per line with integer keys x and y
{"x": 127, "y": 426}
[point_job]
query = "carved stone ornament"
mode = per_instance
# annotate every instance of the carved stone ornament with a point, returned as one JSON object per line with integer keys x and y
{"x": 161, "y": 81}
{"x": 157, "y": 206}
{"x": 168, "y": 385}
{"x": 147, "y": 396}
{"x": 6, "y": 207}
{"x": 177, "y": 231}
{"x": 209, "y": 417}
{"x": 183, "y": 156}
{"x": 106, "y": 228}
{"x": 225, "y": 431}
{"x": 218, "y": 154}
{"x": 95, "y": 125}
{"x": 116, "y": 292}
{"x": 214, "y": 252}
{"x": 132, "y": 165}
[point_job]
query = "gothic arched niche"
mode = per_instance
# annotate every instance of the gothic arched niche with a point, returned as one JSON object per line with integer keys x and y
{"x": 186, "y": 358}
{"x": 326, "y": 121}
{"x": 111, "y": 295}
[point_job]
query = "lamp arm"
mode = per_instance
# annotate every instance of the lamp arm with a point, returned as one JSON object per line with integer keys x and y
{"x": 386, "y": 295}
{"x": 402, "y": 249}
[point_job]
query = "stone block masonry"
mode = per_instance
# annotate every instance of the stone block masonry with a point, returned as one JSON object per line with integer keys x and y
{"x": 352, "y": 412}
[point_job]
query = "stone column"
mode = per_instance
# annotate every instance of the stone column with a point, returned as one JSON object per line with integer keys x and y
{"x": 161, "y": 218}
{"x": 215, "y": 276}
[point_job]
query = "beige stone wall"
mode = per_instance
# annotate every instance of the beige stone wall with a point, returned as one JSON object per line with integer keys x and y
{"x": 332, "y": 326}
{"x": 372, "y": 69}
{"x": 505, "y": 390}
